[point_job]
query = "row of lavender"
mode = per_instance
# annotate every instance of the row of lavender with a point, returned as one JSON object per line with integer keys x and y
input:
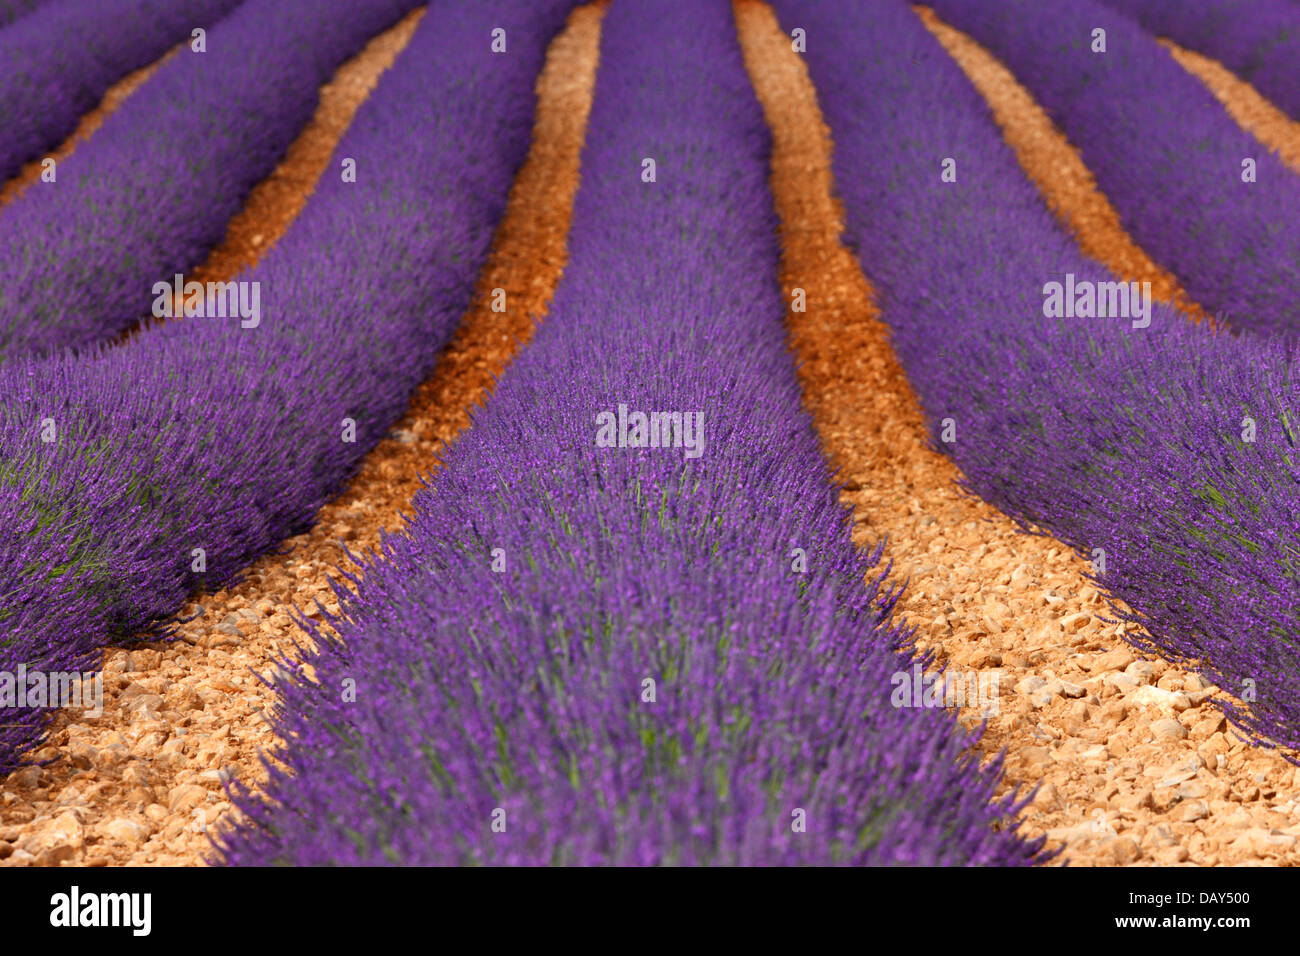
{"x": 130, "y": 477}
{"x": 1259, "y": 40}
{"x": 589, "y": 649}
{"x": 1200, "y": 194}
{"x": 152, "y": 191}
{"x": 1165, "y": 453}
{"x": 58, "y": 64}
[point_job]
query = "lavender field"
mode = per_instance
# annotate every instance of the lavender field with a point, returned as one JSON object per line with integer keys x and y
{"x": 671, "y": 432}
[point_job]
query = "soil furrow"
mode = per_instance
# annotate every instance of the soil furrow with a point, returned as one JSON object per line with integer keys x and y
{"x": 1054, "y": 166}
{"x": 141, "y": 783}
{"x": 1137, "y": 766}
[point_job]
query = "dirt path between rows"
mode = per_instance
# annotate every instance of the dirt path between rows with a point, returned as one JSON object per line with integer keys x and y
{"x": 92, "y": 121}
{"x": 1251, "y": 111}
{"x": 1137, "y": 764}
{"x": 140, "y": 784}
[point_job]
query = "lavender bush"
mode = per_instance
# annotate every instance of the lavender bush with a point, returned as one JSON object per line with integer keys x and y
{"x": 200, "y": 434}
{"x": 518, "y": 697}
{"x": 59, "y": 63}
{"x": 1166, "y": 452}
{"x": 153, "y": 190}
{"x": 1257, "y": 39}
{"x": 1162, "y": 149}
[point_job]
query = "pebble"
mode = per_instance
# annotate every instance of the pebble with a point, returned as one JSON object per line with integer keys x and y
{"x": 1072, "y": 690}
{"x": 1116, "y": 660}
{"x": 1141, "y": 671}
{"x": 1122, "y": 681}
{"x": 1046, "y": 797}
{"x": 1169, "y": 701}
{"x": 126, "y": 831}
{"x": 27, "y": 777}
{"x": 1073, "y": 622}
{"x": 63, "y": 834}
{"x": 1209, "y": 726}
{"x": 1192, "y": 789}
{"x": 1171, "y": 855}
{"x": 1262, "y": 841}
{"x": 182, "y": 798}
{"x": 1030, "y": 684}
{"x": 1168, "y": 727}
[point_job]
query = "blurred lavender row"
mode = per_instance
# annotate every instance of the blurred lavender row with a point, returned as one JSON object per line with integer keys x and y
{"x": 1163, "y": 150}
{"x": 59, "y": 64}
{"x": 11, "y": 10}
{"x": 1259, "y": 40}
{"x": 153, "y": 190}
